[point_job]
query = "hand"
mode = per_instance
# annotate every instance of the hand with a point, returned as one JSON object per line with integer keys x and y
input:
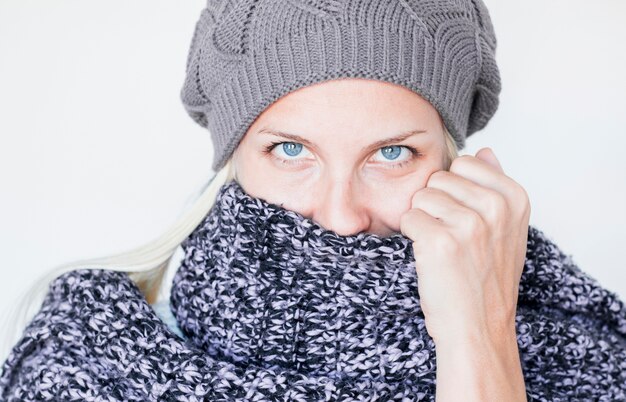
{"x": 469, "y": 228}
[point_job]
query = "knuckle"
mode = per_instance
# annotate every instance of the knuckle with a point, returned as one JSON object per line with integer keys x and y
{"x": 495, "y": 205}
{"x": 523, "y": 194}
{"x": 474, "y": 224}
{"x": 437, "y": 176}
{"x": 444, "y": 242}
{"x": 475, "y": 221}
{"x": 459, "y": 162}
{"x": 417, "y": 198}
{"x": 522, "y": 197}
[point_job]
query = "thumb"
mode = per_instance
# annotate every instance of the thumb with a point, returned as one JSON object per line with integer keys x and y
{"x": 487, "y": 155}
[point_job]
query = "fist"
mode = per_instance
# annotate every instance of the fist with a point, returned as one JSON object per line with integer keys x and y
{"x": 469, "y": 227}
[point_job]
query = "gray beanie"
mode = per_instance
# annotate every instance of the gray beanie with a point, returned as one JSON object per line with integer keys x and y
{"x": 246, "y": 54}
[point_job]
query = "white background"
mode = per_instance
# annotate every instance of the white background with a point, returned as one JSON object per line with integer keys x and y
{"x": 98, "y": 155}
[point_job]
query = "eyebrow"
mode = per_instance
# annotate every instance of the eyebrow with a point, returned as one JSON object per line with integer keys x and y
{"x": 378, "y": 144}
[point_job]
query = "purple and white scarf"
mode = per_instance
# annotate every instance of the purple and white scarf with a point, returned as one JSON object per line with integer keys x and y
{"x": 276, "y": 308}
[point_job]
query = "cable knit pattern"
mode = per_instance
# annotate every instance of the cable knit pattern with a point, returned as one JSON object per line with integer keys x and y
{"x": 275, "y": 308}
{"x": 246, "y": 54}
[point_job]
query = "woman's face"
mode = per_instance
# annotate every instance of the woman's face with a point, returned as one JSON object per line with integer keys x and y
{"x": 319, "y": 151}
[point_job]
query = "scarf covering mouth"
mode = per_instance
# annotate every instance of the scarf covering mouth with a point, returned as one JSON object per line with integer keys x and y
{"x": 276, "y": 308}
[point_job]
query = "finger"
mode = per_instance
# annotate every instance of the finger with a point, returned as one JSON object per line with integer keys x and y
{"x": 416, "y": 223}
{"x": 483, "y": 174}
{"x": 483, "y": 200}
{"x": 442, "y": 206}
{"x": 487, "y": 155}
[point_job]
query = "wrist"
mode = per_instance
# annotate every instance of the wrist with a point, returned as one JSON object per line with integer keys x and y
{"x": 487, "y": 366}
{"x": 504, "y": 335}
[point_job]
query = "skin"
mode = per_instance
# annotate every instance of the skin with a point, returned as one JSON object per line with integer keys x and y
{"x": 469, "y": 224}
{"x": 340, "y": 117}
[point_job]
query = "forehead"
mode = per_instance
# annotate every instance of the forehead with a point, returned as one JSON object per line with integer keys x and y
{"x": 350, "y": 107}
{"x": 352, "y": 93}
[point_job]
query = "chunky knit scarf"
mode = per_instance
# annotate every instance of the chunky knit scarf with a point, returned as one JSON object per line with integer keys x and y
{"x": 276, "y": 308}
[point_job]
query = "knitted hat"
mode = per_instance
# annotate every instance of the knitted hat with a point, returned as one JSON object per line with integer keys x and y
{"x": 246, "y": 54}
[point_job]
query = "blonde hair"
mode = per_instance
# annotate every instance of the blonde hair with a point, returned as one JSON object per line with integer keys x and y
{"x": 147, "y": 264}
{"x": 451, "y": 149}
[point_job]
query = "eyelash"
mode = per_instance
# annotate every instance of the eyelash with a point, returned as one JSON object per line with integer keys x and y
{"x": 415, "y": 153}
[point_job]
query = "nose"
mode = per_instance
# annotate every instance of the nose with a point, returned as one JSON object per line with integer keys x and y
{"x": 342, "y": 209}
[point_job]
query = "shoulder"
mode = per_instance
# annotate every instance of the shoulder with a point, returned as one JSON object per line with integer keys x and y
{"x": 548, "y": 265}
{"x": 551, "y": 277}
{"x": 80, "y": 313}
{"x": 543, "y": 251}
{"x": 97, "y": 283}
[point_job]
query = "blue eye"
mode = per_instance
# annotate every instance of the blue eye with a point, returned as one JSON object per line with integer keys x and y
{"x": 292, "y": 148}
{"x": 394, "y": 152}
{"x": 290, "y": 152}
{"x": 391, "y": 152}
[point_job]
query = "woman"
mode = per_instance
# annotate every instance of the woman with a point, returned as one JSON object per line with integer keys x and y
{"x": 343, "y": 251}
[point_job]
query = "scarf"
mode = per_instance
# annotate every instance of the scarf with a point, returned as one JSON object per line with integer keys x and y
{"x": 276, "y": 308}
